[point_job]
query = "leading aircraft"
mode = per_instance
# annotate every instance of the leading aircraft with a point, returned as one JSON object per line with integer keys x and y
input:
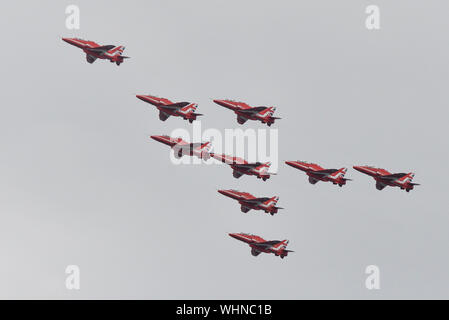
{"x": 241, "y": 166}
{"x": 258, "y": 244}
{"x": 385, "y": 178}
{"x": 167, "y": 108}
{"x": 94, "y": 51}
{"x": 245, "y": 112}
{"x": 248, "y": 201}
{"x": 180, "y": 147}
{"x": 317, "y": 173}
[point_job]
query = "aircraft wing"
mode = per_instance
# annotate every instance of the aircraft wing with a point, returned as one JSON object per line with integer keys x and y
{"x": 228, "y": 159}
{"x": 324, "y": 172}
{"x": 252, "y": 110}
{"x": 255, "y": 200}
{"x": 163, "y": 116}
{"x": 266, "y": 244}
{"x": 175, "y": 106}
{"x": 196, "y": 145}
{"x": 392, "y": 177}
{"x": 380, "y": 185}
{"x": 101, "y": 49}
{"x": 189, "y": 146}
{"x": 236, "y": 174}
{"x": 241, "y": 120}
{"x": 247, "y": 165}
{"x": 90, "y": 58}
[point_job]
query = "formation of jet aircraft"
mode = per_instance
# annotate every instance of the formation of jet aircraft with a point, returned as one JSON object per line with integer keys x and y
{"x": 258, "y": 244}
{"x": 317, "y": 173}
{"x": 167, "y": 108}
{"x": 94, "y": 51}
{"x": 385, "y": 178}
{"x": 248, "y": 201}
{"x": 337, "y": 176}
{"x": 245, "y": 112}
{"x": 202, "y": 150}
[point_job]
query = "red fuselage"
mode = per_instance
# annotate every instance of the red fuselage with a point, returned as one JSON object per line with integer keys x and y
{"x": 243, "y": 111}
{"x": 181, "y": 147}
{"x": 248, "y": 201}
{"x": 241, "y": 166}
{"x": 385, "y": 178}
{"x": 317, "y": 173}
{"x": 184, "y": 110}
{"x": 93, "y": 52}
{"x": 259, "y": 244}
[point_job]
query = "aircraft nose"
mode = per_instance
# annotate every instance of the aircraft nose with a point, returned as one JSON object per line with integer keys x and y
{"x": 224, "y": 192}
{"x": 140, "y": 96}
{"x": 234, "y": 235}
{"x": 157, "y": 138}
{"x": 218, "y": 101}
{"x": 362, "y": 169}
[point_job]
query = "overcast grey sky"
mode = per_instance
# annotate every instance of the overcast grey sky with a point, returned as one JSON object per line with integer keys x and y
{"x": 81, "y": 182}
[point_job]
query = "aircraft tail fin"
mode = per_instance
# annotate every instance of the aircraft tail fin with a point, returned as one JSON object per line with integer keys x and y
{"x": 207, "y": 146}
{"x": 409, "y": 185}
{"x": 339, "y": 176}
{"x": 272, "y": 201}
{"x": 264, "y": 168}
{"x": 191, "y": 107}
{"x": 284, "y": 244}
{"x": 408, "y": 178}
{"x": 117, "y": 51}
{"x": 340, "y": 173}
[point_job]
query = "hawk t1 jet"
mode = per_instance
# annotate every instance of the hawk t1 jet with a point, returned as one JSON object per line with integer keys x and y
{"x": 241, "y": 166}
{"x": 245, "y": 112}
{"x": 181, "y": 147}
{"x": 248, "y": 201}
{"x": 258, "y": 244}
{"x": 384, "y": 178}
{"x": 94, "y": 51}
{"x": 185, "y": 110}
{"x": 317, "y": 173}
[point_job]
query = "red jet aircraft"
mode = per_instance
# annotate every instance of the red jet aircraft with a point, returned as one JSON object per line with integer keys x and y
{"x": 181, "y": 147}
{"x": 185, "y": 110}
{"x": 94, "y": 50}
{"x": 245, "y": 112}
{"x": 384, "y": 178}
{"x": 248, "y": 201}
{"x": 259, "y": 244}
{"x": 317, "y": 173}
{"x": 241, "y": 166}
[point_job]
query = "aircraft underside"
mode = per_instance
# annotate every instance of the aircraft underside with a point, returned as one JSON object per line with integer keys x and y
{"x": 255, "y": 252}
{"x": 90, "y": 58}
{"x": 312, "y": 180}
